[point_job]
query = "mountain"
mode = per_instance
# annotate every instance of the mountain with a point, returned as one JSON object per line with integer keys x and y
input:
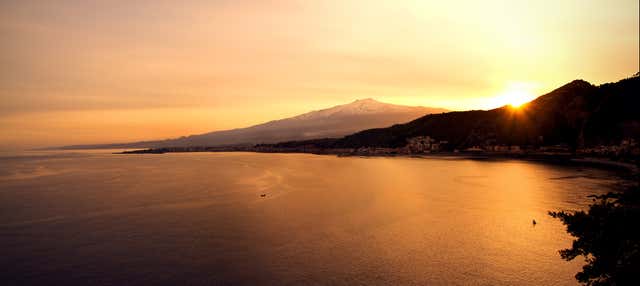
{"x": 331, "y": 122}
{"x": 575, "y": 115}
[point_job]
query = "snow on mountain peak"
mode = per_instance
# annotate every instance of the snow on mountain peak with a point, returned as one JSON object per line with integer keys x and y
{"x": 357, "y": 107}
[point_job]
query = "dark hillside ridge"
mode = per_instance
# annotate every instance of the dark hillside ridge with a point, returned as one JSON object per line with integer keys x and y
{"x": 576, "y": 115}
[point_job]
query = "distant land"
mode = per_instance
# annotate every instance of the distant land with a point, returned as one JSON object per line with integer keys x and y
{"x": 576, "y": 115}
{"x": 336, "y": 121}
{"x": 577, "y": 118}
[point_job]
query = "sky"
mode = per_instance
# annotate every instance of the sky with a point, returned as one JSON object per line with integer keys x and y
{"x": 76, "y": 72}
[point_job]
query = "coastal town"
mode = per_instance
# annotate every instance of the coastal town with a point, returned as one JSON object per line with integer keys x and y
{"x": 628, "y": 151}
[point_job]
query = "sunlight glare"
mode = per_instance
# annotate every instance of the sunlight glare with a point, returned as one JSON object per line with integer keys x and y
{"x": 517, "y": 94}
{"x": 517, "y": 98}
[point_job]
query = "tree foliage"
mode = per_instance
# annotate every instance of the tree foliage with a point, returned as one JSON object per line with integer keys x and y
{"x": 608, "y": 237}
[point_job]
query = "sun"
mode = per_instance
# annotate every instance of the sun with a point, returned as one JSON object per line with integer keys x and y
{"x": 517, "y": 98}
{"x": 517, "y": 94}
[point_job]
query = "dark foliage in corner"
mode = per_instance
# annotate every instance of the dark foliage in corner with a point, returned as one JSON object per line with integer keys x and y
{"x": 608, "y": 237}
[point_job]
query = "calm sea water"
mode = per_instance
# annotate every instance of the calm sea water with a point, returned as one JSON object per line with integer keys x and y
{"x": 199, "y": 219}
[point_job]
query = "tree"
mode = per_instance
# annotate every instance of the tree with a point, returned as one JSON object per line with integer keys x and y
{"x": 608, "y": 237}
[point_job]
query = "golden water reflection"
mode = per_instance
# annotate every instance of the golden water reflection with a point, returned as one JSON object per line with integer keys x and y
{"x": 200, "y": 218}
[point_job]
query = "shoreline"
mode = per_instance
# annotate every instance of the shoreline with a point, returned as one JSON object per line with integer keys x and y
{"x": 542, "y": 158}
{"x": 563, "y": 159}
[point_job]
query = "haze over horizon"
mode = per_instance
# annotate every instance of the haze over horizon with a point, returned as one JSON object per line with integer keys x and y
{"x": 78, "y": 72}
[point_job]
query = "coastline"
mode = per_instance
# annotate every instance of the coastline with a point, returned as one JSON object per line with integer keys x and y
{"x": 602, "y": 163}
{"x": 552, "y": 158}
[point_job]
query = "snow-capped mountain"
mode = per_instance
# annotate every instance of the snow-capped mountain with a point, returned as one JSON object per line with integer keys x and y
{"x": 361, "y": 107}
{"x": 336, "y": 121}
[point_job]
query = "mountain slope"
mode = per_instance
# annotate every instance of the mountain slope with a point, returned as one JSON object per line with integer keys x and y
{"x": 577, "y": 114}
{"x": 331, "y": 122}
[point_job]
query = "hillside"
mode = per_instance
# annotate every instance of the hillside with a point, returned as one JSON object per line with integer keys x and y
{"x": 577, "y": 115}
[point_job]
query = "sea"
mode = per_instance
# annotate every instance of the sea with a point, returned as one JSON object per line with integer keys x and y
{"x": 99, "y": 218}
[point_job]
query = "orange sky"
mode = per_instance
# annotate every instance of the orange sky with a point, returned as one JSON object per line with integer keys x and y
{"x": 108, "y": 71}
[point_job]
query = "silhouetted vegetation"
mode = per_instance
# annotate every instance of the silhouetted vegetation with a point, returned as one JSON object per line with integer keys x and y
{"x": 608, "y": 237}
